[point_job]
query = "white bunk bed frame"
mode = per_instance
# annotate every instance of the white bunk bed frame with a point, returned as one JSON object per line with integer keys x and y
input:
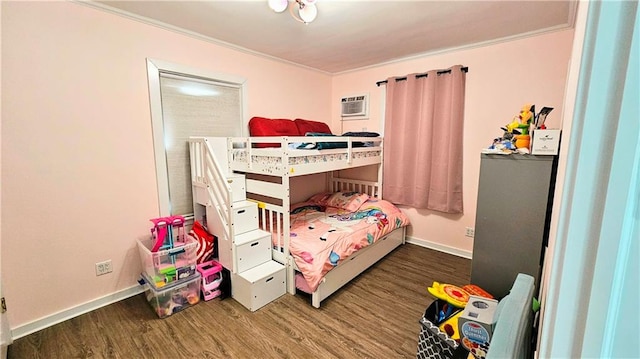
{"x": 214, "y": 159}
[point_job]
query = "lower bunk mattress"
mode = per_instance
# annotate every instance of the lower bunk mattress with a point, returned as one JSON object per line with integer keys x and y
{"x": 322, "y": 236}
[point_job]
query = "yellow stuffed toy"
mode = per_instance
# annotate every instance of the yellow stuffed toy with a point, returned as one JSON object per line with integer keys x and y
{"x": 526, "y": 116}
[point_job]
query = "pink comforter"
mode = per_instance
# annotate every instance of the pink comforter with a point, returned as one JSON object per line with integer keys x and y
{"x": 321, "y": 240}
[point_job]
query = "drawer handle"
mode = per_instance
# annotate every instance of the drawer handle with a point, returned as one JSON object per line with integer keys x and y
{"x": 241, "y": 211}
{"x": 254, "y": 244}
{"x": 268, "y": 279}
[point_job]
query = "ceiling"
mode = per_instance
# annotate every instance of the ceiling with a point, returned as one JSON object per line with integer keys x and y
{"x": 349, "y": 35}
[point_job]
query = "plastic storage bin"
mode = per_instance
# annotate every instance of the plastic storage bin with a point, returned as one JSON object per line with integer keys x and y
{"x": 174, "y": 297}
{"x": 169, "y": 265}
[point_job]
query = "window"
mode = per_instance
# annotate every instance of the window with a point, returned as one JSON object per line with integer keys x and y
{"x": 188, "y": 102}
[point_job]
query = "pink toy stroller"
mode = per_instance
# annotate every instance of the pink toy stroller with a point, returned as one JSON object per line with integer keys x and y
{"x": 211, "y": 272}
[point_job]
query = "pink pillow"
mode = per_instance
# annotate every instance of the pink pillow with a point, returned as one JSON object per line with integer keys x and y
{"x": 320, "y": 198}
{"x": 349, "y": 201}
{"x": 206, "y": 242}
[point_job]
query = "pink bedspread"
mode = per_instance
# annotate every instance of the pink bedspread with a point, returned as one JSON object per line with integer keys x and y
{"x": 320, "y": 240}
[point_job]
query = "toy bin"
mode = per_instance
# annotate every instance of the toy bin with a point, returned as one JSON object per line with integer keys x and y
{"x": 433, "y": 343}
{"x": 168, "y": 265}
{"x": 173, "y": 297}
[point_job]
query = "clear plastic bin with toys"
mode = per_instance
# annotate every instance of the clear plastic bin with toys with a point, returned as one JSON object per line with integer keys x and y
{"x": 168, "y": 265}
{"x": 173, "y": 297}
{"x": 441, "y": 336}
{"x": 169, "y": 254}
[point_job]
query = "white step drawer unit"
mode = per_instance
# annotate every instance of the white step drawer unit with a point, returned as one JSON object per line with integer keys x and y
{"x": 252, "y": 249}
{"x": 259, "y": 285}
{"x": 238, "y": 187}
{"x": 245, "y": 216}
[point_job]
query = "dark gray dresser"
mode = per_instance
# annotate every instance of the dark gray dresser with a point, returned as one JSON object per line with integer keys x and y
{"x": 515, "y": 196}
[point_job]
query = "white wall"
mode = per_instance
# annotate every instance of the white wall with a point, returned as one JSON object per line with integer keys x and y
{"x": 591, "y": 309}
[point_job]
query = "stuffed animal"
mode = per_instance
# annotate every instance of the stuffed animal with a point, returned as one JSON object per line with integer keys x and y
{"x": 526, "y": 114}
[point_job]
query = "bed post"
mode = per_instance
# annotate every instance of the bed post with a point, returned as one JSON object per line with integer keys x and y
{"x": 329, "y": 184}
{"x": 286, "y": 206}
{"x": 380, "y": 173}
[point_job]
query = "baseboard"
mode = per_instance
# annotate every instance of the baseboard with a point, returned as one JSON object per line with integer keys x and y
{"x": 439, "y": 247}
{"x": 50, "y": 320}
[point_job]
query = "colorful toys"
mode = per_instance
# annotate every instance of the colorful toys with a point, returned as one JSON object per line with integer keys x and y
{"x": 473, "y": 289}
{"x": 167, "y": 232}
{"x": 526, "y": 117}
{"x": 168, "y": 259}
{"x": 452, "y": 294}
{"x": 211, "y": 274}
{"x": 476, "y": 323}
{"x": 516, "y": 136}
{"x": 158, "y": 233}
{"x": 168, "y": 265}
{"x": 450, "y": 326}
{"x": 173, "y": 298}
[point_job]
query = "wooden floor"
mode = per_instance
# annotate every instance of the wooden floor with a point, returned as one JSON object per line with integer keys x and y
{"x": 374, "y": 316}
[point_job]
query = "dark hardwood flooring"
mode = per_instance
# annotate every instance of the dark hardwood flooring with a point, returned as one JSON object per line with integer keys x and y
{"x": 374, "y": 316}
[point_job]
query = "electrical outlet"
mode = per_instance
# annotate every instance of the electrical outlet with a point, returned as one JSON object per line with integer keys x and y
{"x": 103, "y": 267}
{"x": 470, "y": 232}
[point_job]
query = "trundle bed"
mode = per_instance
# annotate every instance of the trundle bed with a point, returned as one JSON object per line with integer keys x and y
{"x": 268, "y": 163}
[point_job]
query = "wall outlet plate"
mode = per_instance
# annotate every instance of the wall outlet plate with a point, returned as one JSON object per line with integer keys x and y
{"x": 469, "y": 232}
{"x": 103, "y": 267}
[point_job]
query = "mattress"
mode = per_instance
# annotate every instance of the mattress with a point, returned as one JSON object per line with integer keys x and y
{"x": 323, "y": 237}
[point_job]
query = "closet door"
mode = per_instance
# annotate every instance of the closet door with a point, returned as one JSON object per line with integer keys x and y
{"x": 512, "y": 219}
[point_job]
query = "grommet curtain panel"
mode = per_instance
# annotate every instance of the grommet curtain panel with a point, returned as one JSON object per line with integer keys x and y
{"x": 423, "y": 130}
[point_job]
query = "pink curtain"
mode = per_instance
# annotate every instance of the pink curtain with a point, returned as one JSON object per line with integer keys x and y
{"x": 423, "y": 140}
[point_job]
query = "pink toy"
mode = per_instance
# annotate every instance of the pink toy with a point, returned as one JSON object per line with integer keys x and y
{"x": 167, "y": 232}
{"x": 158, "y": 233}
{"x": 211, "y": 272}
{"x": 177, "y": 230}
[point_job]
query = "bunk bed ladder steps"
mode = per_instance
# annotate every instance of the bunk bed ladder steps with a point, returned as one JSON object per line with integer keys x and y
{"x": 256, "y": 279}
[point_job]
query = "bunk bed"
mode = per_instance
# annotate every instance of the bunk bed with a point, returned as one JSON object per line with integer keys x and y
{"x": 268, "y": 164}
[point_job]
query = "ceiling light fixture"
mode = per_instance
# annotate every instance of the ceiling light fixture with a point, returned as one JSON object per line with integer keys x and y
{"x": 306, "y": 9}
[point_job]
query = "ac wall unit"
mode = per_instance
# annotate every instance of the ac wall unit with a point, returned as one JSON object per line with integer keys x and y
{"x": 355, "y": 106}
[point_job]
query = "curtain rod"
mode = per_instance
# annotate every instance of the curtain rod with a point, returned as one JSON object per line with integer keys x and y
{"x": 463, "y": 69}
